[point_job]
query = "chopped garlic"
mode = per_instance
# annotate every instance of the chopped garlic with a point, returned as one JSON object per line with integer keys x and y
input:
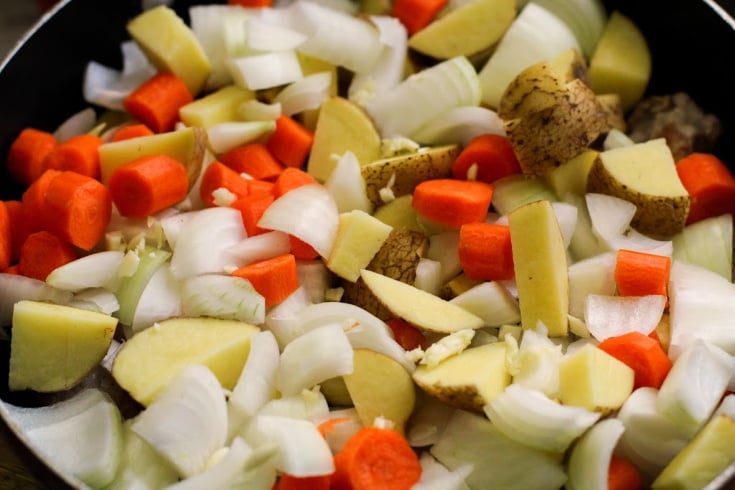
{"x": 391, "y": 147}
{"x": 223, "y": 197}
{"x": 129, "y": 264}
{"x": 448, "y": 346}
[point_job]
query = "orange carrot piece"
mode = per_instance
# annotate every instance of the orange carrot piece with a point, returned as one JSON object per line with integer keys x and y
{"x": 302, "y": 250}
{"x": 376, "y": 458}
{"x": 6, "y": 237}
{"x": 78, "y": 209}
{"x": 288, "y": 482}
{"x": 275, "y": 278}
{"x": 640, "y": 273}
{"x": 18, "y": 227}
{"x": 218, "y": 176}
{"x": 290, "y": 179}
{"x": 327, "y": 427}
{"x": 453, "y": 202}
{"x": 710, "y": 184}
{"x": 485, "y": 251}
{"x": 79, "y": 154}
{"x": 34, "y": 202}
{"x": 642, "y": 354}
{"x": 132, "y": 131}
{"x": 13, "y": 269}
{"x": 254, "y": 159}
{"x": 408, "y": 336}
{"x": 251, "y": 209}
{"x": 622, "y": 475}
{"x": 417, "y": 14}
{"x": 156, "y": 102}
{"x": 493, "y": 158}
{"x": 291, "y": 142}
{"x": 147, "y": 185}
{"x": 42, "y": 252}
{"x": 27, "y": 152}
{"x": 259, "y": 187}
{"x": 251, "y": 3}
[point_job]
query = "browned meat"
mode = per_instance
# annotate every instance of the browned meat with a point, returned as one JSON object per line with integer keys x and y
{"x": 677, "y": 118}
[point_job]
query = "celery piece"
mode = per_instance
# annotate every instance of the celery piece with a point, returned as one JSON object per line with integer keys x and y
{"x": 516, "y": 190}
{"x": 707, "y": 244}
{"x": 131, "y": 288}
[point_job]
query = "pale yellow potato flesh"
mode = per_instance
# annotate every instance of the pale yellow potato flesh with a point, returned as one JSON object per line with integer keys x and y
{"x": 359, "y": 237}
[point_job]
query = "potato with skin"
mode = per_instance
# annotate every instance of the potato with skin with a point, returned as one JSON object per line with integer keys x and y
{"x": 612, "y": 104}
{"x": 408, "y": 171}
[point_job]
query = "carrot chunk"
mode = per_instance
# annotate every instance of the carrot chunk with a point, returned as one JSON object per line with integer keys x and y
{"x": 417, "y": 14}
{"x": 34, "y": 202}
{"x": 407, "y": 336}
{"x": 79, "y": 154}
{"x": 148, "y": 185}
{"x": 27, "y": 152}
{"x": 290, "y": 179}
{"x": 291, "y": 142}
{"x": 254, "y": 159}
{"x": 643, "y": 354}
{"x": 18, "y": 227}
{"x": 132, "y": 131}
{"x": 485, "y": 251}
{"x": 622, "y": 475}
{"x": 453, "y": 202}
{"x": 6, "y": 237}
{"x": 492, "y": 157}
{"x": 42, "y": 252}
{"x": 640, "y": 273}
{"x": 288, "y": 482}
{"x": 275, "y": 278}
{"x": 219, "y": 176}
{"x": 251, "y": 209}
{"x": 156, "y": 102}
{"x": 710, "y": 184}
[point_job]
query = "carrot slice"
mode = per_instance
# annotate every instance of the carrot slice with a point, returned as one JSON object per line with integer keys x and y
{"x": 42, "y": 252}
{"x": 288, "y": 482}
{"x": 290, "y": 179}
{"x": 258, "y": 187}
{"x": 251, "y": 3}
{"x": 275, "y": 278}
{"x": 623, "y": 475}
{"x": 251, "y": 209}
{"x": 491, "y": 156}
{"x": 640, "y": 273}
{"x": 485, "y": 251}
{"x": 219, "y": 176}
{"x": 78, "y": 209}
{"x": 417, "y": 14}
{"x": 453, "y": 202}
{"x": 710, "y": 184}
{"x": 254, "y": 159}
{"x": 79, "y": 154}
{"x": 27, "y": 152}
{"x": 643, "y": 354}
{"x": 132, "y": 131}
{"x": 19, "y": 230}
{"x": 407, "y": 336}
{"x": 291, "y": 142}
{"x": 302, "y": 250}
{"x": 147, "y": 185}
{"x": 376, "y": 458}
{"x": 6, "y": 237}
{"x": 34, "y": 202}
{"x": 156, "y": 102}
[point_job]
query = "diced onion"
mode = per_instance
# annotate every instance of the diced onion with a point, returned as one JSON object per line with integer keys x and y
{"x": 435, "y": 476}
{"x": 96, "y": 299}
{"x": 78, "y": 123}
{"x": 610, "y": 316}
{"x": 255, "y": 110}
{"x": 267, "y": 70}
{"x": 490, "y": 301}
{"x": 304, "y": 94}
{"x": 225, "y": 473}
{"x": 14, "y": 288}
{"x": 222, "y": 296}
{"x": 90, "y": 271}
{"x": 460, "y": 125}
{"x": 225, "y": 136}
{"x": 429, "y": 276}
{"x": 347, "y": 185}
{"x": 258, "y": 247}
{"x": 265, "y": 36}
{"x": 257, "y": 382}
{"x": 594, "y": 275}
{"x": 589, "y": 462}
{"x": 308, "y": 405}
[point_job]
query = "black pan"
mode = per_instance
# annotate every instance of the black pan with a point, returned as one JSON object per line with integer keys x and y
{"x": 41, "y": 81}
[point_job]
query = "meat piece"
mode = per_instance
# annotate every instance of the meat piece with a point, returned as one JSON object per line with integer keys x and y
{"x": 677, "y": 118}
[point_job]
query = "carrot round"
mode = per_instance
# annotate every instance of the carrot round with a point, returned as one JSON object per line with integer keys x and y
{"x": 147, "y": 185}
{"x": 251, "y": 209}
{"x": 27, "y": 152}
{"x": 251, "y": 3}
{"x": 34, "y": 202}
{"x": 290, "y": 179}
{"x": 78, "y": 209}
{"x": 640, "y": 273}
{"x": 291, "y": 142}
{"x": 6, "y": 237}
{"x": 417, "y": 14}
{"x": 42, "y": 252}
{"x": 19, "y": 230}
{"x": 275, "y": 278}
{"x": 710, "y": 184}
{"x": 485, "y": 251}
{"x": 376, "y": 458}
{"x": 643, "y": 354}
{"x": 79, "y": 154}
{"x": 254, "y": 159}
{"x": 288, "y": 482}
{"x": 218, "y": 176}
{"x": 491, "y": 156}
{"x": 407, "y": 336}
{"x": 302, "y": 250}
{"x": 132, "y": 131}
{"x": 623, "y": 475}
{"x": 453, "y": 202}
{"x": 260, "y": 187}
{"x": 328, "y": 426}
{"x": 156, "y": 102}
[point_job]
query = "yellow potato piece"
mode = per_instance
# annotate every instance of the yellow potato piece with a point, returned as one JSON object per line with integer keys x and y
{"x": 53, "y": 347}
{"x": 359, "y": 237}
{"x": 218, "y": 107}
{"x": 152, "y": 358}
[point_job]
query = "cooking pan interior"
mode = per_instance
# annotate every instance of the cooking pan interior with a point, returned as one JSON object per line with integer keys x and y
{"x": 41, "y": 82}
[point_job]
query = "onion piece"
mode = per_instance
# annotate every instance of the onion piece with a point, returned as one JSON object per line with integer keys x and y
{"x": 590, "y": 458}
{"x": 443, "y": 248}
{"x": 707, "y": 243}
{"x": 225, "y": 136}
{"x": 435, "y": 476}
{"x": 335, "y": 359}
{"x": 94, "y": 270}
{"x": 429, "y": 276}
{"x": 492, "y": 302}
{"x": 610, "y": 316}
{"x": 267, "y": 70}
{"x": 530, "y": 417}
{"x": 255, "y": 110}
{"x": 14, "y": 288}
{"x": 593, "y": 275}
{"x": 78, "y": 123}
{"x": 566, "y": 216}
{"x": 404, "y": 109}
{"x": 585, "y": 18}
{"x": 616, "y": 139}
{"x": 258, "y": 247}
{"x": 347, "y": 185}
{"x": 266, "y": 36}
{"x": 282, "y": 320}
{"x": 187, "y": 422}
{"x": 96, "y": 299}
{"x": 131, "y": 288}
{"x": 308, "y": 213}
{"x": 225, "y": 473}
{"x": 202, "y": 243}
{"x": 315, "y": 277}
{"x": 308, "y": 405}
{"x": 161, "y": 299}
{"x": 302, "y": 451}
{"x": 305, "y": 94}
{"x": 536, "y": 363}
{"x": 460, "y": 125}
{"x": 221, "y": 296}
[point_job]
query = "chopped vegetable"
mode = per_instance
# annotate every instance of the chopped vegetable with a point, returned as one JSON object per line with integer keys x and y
{"x": 27, "y": 153}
